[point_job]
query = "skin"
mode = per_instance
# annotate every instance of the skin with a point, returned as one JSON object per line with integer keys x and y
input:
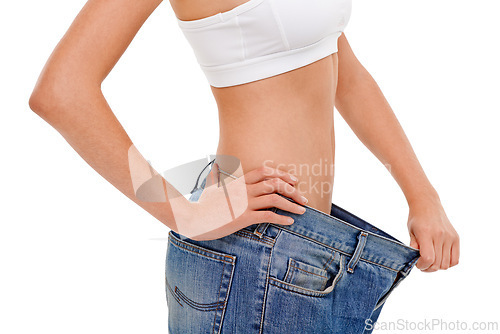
{"x": 288, "y": 119}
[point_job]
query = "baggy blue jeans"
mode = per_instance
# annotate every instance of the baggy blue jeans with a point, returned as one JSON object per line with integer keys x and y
{"x": 322, "y": 274}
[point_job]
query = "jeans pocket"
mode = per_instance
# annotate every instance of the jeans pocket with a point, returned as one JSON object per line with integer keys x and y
{"x": 310, "y": 280}
{"x": 197, "y": 283}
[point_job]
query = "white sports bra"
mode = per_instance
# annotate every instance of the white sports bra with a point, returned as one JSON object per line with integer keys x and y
{"x": 263, "y": 38}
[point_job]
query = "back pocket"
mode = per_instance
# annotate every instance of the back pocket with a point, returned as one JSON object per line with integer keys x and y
{"x": 197, "y": 283}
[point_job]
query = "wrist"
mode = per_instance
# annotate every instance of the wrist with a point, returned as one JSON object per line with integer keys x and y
{"x": 183, "y": 215}
{"x": 423, "y": 197}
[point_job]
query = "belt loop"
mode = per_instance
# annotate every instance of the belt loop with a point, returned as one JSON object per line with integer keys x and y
{"x": 357, "y": 252}
{"x": 260, "y": 229}
{"x": 408, "y": 267}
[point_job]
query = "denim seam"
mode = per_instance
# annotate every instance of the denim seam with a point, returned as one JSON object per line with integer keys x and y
{"x": 198, "y": 306}
{"x": 230, "y": 283}
{"x": 172, "y": 292}
{"x": 265, "y": 240}
{"x": 357, "y": 228}
{"x": 386, "y": 295}
{"x": 408, "y": 268}
{"x": 357, "y": 251}
{"x": 261, "y": 229}
{"x": 292, "y": 273}
{"x": 218, "y": 296}
{"x": 333, "y": 248}
{"x": 309, "y": 272}
{"x": 200, "y": 251}
{"x": 226, "y": 298}
{"x": 305, "y": 291}
{"x": 296, "y": 288}
{"x": 330, "y": 260}
{"x": 266, "y": 285}
{"x": 288, "y": 271}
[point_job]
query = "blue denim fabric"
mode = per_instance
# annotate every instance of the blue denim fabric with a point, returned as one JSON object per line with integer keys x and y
{"x": 322, "y": 274}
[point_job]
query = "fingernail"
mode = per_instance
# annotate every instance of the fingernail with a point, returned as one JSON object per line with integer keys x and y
{"x": 302, "y": 209}
{"x": 293, "y": 177}
{"x": 305, "y": 200}
{"x": 290, "y": 220}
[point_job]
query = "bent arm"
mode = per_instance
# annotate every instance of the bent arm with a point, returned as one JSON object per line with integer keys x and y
{"x": 361, "y": 103}
{"x": 68, "y": 96}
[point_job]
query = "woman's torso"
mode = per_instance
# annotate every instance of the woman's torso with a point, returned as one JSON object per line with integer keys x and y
{"x": 284, "y": 121}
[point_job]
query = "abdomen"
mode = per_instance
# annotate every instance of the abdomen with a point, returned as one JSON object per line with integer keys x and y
{"x": 285, "y": 121}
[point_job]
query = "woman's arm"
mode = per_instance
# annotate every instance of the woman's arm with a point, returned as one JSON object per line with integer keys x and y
{"x": 361, "y": 103}
{"x": 68, "y": 96}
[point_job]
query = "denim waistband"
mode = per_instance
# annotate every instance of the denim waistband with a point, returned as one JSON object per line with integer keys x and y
{"x": 347, "y": 233}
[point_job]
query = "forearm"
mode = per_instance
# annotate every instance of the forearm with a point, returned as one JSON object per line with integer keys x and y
{"x": 363, "y": 106}
{"x": 87, "y": 123}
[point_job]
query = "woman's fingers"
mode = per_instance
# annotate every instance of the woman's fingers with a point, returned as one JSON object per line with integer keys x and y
{"x": 277, "y": 185}
{"x": 427, "y": 255}
{"x": 268, "y": 216}
{"x": 445, "y": 260}
{"x": 455, "y": 252}
{"x": 438, "y": 251}
{"x": 275, "y": 200}
{"x": 264, "y": 172}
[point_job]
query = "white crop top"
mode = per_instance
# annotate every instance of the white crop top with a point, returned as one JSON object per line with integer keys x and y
{"x": 263, "y": 38}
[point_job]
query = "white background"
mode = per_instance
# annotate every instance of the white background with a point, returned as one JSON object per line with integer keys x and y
{"x": 78, "y": 256}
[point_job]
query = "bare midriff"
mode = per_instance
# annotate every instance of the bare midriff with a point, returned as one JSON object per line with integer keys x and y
{"x": 284, "y": 121}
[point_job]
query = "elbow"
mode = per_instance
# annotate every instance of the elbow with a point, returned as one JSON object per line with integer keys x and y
{"x": 55, "y": 100}
{"x": 49, "y": 95}
{"x": 45, "y": 97}
{"x": 39, "y": 101}
{"x": 44, "y": 104}
{"x": 51, "y": 105}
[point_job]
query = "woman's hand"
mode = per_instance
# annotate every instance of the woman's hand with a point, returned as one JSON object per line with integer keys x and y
{"x": 432, "y": 233}
{"x": 225, "y": 209}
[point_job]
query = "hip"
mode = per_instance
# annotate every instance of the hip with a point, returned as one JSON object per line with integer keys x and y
{"x": 324, "y": 273}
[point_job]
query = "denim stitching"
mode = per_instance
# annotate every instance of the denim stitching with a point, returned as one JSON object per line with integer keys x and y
{"x": 330, "y": 260}
{"x": 409, "y": 266}
{"x": 353, "y": 226}
{"x": 394, "y": 284}
{"x": 309, "y": 272}
{"x": 357, "y": 251}
{"x": 288, "y": 271}
{"x": 266, "y": 240}
{"x": 266, "y": 286}
{"x": 198, "y": 306}
{"x": 227, "y": 296}
{"x": 172, "y": 292}
{"x": 260, "y": 229}
{"x": 304, "y": 291}
{"x": 333, "y": 248}
{"x": 182, "y": 244}
{"x": 292, "y": 271}
{"x": 218, "y": 296}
